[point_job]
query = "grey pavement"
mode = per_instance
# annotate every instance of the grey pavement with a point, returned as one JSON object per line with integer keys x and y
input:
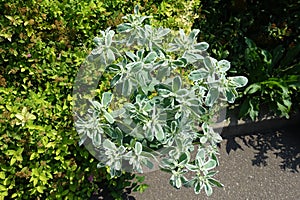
{"x": 252, "y": 167}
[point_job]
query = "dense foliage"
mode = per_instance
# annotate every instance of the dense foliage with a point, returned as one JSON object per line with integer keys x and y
{"x": 42, "y": 45}
{"x": 261, "y": 39}
{"x": 162, "y": 88}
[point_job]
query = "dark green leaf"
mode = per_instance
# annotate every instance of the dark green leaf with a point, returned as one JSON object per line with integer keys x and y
{"x": 215, "y": 182}
{"x": 183, "y": 159}
{"x": 126, "y": 27}
{"x": 230, "y": 95}
{"x": 115, "y": 80}
{"x": 290, "y": 55}
{"x": 113, "y": 68}
{"x": 198, "y": 187}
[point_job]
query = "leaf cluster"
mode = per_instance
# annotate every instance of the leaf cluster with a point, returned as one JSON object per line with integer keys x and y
{"x": 163, "y": 111}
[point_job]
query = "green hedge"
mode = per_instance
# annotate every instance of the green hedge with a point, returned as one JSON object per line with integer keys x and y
{"x": 42, "y": 45}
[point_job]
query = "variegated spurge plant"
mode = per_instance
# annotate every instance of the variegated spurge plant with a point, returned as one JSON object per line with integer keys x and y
{"x": 165, "y": 91}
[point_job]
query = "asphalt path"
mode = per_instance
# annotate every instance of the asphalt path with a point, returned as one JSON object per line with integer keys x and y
{"x": 257, "y": 166}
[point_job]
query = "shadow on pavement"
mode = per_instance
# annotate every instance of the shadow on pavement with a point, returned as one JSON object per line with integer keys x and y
{"x": 284, "y": 143}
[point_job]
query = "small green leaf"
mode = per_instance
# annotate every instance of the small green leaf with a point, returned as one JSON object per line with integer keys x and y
{"x": 163, "y": 72}
{"x": 209, "y": 63}
{"x": 115, "y": 80}
{"x": 138, "y": 148}
{"x": 34, "y": 155}
{"x": 184, "y": 158}
{"x": 212, "y": 96}
{"x": 238, "y": 81}
{"x": 110, "y": 56}
{"x": 182, "y": 92}
{"x": 132, "y": 56}
{"x": 108, "y": 117}
{"x": 174, "y": 126}
{"x": 192, "y": 57}
{"x": 178, "y": 182}
{"x": 159, "y": 132}
{"x": 193, "y": 34}
{"x": 19, "y": 116}
{"x": 230, "y": 95}
{"x": 203, "y": 140}
{"x": 126, "y": 87}
{"x": 210, "y": 164}
{"x": 178, "y": 63}
{"x": 140, "y": 54}
{"x": 202, "y": 46}
{"x": 192, "y": 167}
{"x": 136, "y": 67}
{"x": 40, "y": 189}
{"x": 109, "y": 145}
{"x": 252, "y": 88}
{"x": 162, "y": 32}
{"x": 125, "y": 27}
{"x": 201, "y": 154}
{"x": 215, "y": 182}
{"x": 198, "y": 187}
{"x": 106, "y": 99}
{"x": 208, "y": 189}
{"x": 150, "y": 57}
{"x": 2, "y": 175}
{"x": 108, "y": 38}
{"x": 224, "y": 65}
{"x": 97, "y": 139}
{"x": 12, "y": 161}
{"x": 176, "y": 83}
{"x": 199, "y": 74}
{"x": 113, "y": 68}
{"x": 136, "y": 9}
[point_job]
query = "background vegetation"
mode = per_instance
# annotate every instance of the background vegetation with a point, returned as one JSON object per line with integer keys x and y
{"x": 261, "y": 39}
{"x": 43, "y": 43}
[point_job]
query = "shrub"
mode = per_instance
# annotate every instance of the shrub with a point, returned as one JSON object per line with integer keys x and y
{"x": 41, "y": 50}
{"x": 162, "y": 89}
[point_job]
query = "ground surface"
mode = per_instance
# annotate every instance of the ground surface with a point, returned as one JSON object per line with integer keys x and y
{"x": 256, "y": 166}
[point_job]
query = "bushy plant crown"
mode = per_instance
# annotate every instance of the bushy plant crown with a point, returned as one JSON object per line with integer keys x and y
{"x": 165, "y": 92}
